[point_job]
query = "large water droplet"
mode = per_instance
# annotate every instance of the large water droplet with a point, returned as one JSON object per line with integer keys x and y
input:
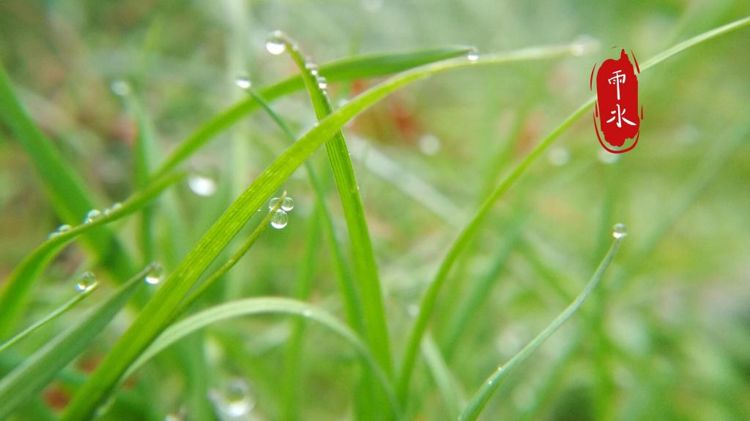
{"x": 62, "y": 229}
{"x": 120, "y": 87}
{"x": 275, "y": 43}
{"x": 472, "y": 55}
{"x": 86, "y": 282}
{"x": 619, "y": 231}
{"x": 153, "y": 277}
{"x": 202, "y": 185}
{"x": 234, "y": 400}
{"x": 279, "y": 219}
{"x": 243, "y": 82}
{"x": 287, "y": 204}
{"x": 92, "y": 216}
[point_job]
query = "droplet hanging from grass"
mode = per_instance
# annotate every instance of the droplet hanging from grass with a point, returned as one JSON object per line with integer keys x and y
{"x": 280, "y": 219}
{"x": 92, "y": 216}
{"x": 619, "y": 231}
{"x": 234, "y": 401}
{"x": 153, "y": 277}
{"x": 473, "y": 55}
{"x": 243, "y": 82}
{"x": 115, "y": 206}
{"x": 62, "y": 229}
{"x": 275, "y": 43}
{"x": 202, "y": 185}
{"x": 86, "y": 282}
{"x": 322, "y": 83}
{"x": 286, "y": 205}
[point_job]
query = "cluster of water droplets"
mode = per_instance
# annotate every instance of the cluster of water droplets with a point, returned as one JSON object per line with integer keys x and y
{"x": 233, "y": 401}
{"x": 280, "y": 216}
{"x": 86, "y": 282}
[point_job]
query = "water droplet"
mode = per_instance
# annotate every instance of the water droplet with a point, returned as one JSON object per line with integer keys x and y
{"x": 62, "y": 229}
{"x": 429, "y": 144}
{"x": 288, "y": 204}
{"x": 607, "y": 157}
{"x": 113, "y": 208}
{"x": 92, "y": 216}
{"x": 243, "y": 82}
{"x": 558, "y": 156}
{"x": 86, "y": 282}
{"x": 472, "y": 55}
{"x": 279, "y": 219}
{"x": 312, "y": 68}
{"x": 276, "y": 43}
{"x": 234, "y": 400}
{"x": 202, "y": 185}
{"x": 584, "y": 44}
{"x": 322, "y": 83}
{"x": 120, "y": 87}
{"x": 619, "y": 231}
{"x": 153, "y": 277}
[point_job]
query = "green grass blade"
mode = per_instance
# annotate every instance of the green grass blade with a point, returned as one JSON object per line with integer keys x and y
{"x": 360, "y": 245}
{"x": 18, "y": 286}
{"x": 65, "y": 189}
{"x": 257, "y": 306}
{"x": 40, "y": 368}
{"x": 371, "y": 65}
{"x": 159, "y": 312}
{"x": 48, "y": 318}
{"x": 443, "y": 378}
{"x": 429, "y": 299}
{"x": 488, "y": 388}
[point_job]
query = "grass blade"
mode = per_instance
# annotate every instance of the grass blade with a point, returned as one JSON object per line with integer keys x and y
{"x": 40, "y": 368}
{"x": 18, "y": 286}
{"x": 488, "y": 388}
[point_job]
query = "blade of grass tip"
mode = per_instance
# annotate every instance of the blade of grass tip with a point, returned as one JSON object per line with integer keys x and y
{"x": 488, "y": 388}
{"x": 244, "y": 247}
{"x": 428, "y": 301}
{"x": 159, "y": 311}
{"x": 352, "y": 306}
{"x": 64, "y": 187}
{"x": 48, "y": 318}
{"x": 365, "y": 266}
{"x": 265, "y": 305}
{"x": 18, "y": 286}
{"x": 365, "y": 66}
{"x": 28, "y": 379}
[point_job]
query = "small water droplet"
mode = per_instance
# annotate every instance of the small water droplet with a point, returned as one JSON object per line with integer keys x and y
{"x": 312, "y": 68}
{"x": 275, "y": 43}
{"x": 558, "y": 156}
{"x": 472, "y": 55}
{"x": 322, "y": 83}
{"x": 202, "y": 185}
{"x": 429, "y": 144}
{"x": 120, "y": 87}
{"x": 115, "y": 206}
{"x": 153, "y": 277}
{"x": 279, "y": 219}
{"x": 86, "y": 282}
{"x": 619, "y": 231}
{"x": 62, "y": 229}
{"x": 243, "y": 82}
{"x": 92, "y": 216}
{"x": 234, "y": 400}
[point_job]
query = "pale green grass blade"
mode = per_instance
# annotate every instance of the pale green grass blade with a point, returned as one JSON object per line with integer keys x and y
{"x": 18, "y": 286}
{"x": 449, "y": 388}
{"x": 40, "y": 368}
{"x": 158, "y": 313}
{"x": 488, "y": 388}
{"x": 64, "y": 187}
{"x": 360, "y": 245}
{"x": 351, "y": 68}
{"x": 257, "y": 306}
{"x": 48, "y": 318}
{"x": 429, "y": 299}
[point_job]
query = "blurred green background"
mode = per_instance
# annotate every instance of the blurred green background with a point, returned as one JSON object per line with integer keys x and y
{"x": 666, "y": 337}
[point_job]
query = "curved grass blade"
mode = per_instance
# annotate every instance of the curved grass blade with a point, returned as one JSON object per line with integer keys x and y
{"x": 365, "y": 267}
{"x": 48, "y": 318}
{"x": 371, "y": 65}
{"x": 488, "y": 388}
{"x": 40, "y": 368}
{"x": 429, "y": 299}
{"x": 257, "y": 306}
{"x": 18, "y": 286}
{"x": 159, "y": 311}
{"x": 64, "y": 187}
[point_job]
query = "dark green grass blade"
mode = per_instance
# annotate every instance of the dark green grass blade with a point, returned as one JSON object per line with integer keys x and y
{"x": 159, "y": 312}
{"x": 18, "y": 286}
{"x": 365, "y": 266}
{"x": 40, "y": 368}
{"x": 365, "y": 66}
{"x": 488, "y": 388}
{"x": 64, "y": 187}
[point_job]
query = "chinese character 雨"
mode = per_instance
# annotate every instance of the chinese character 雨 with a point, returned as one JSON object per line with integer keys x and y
{"x": 617, "y": 80}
